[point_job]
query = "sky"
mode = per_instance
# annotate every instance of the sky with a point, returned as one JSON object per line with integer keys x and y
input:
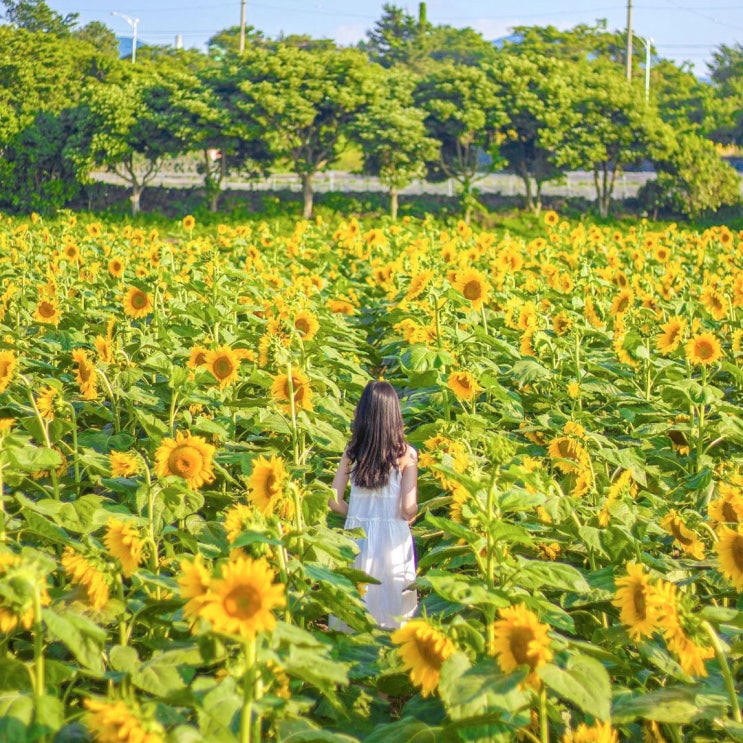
{"x": 681, "y": 30}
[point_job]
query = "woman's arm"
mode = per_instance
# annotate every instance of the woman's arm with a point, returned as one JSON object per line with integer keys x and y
{"x": 409, "y": 486}
{"x": 339, "y": 504}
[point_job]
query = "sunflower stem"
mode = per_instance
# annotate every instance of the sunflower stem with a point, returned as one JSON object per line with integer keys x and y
{"x": 293, "y": 407}
{"x": 246, "y": 722}
{"x": 725, "y": 668}
{"x": 45, "y": 433}
{"x": 3, "y": 515}
{"x": 700, "y": 423}
{"x": 39, "y": 670}
{"x": 75, "y": 452}
{"x": 484, "y": 318}
{"x": 114, "y": 402}
{"x": 544, "y": 730}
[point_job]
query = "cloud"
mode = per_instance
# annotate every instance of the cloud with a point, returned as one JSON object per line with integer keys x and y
{"x": 495, "y": 29}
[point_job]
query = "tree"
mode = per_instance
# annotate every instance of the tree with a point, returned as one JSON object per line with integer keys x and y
{"x": 133, "y": 123}
{"x": 692, "y": 179}
{"x": 393, "y": 136}
{"x": 462, "y": 114}
{"x": 37, "y": 16}
{"x": 726, "y": 71}
{"x": 395, "y": 38}
{"x": 303, "y": 104}
{"x": 605, "y": 126}
{"x": 683, "y": 100}
{"x": 99, "y": 36}
{"x": 529, "y": 88}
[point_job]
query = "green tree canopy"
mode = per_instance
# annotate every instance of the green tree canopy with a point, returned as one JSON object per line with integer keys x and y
{"x": 37, "y": 16}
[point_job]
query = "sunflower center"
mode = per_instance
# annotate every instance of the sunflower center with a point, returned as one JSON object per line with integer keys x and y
{"x": 139, "y": 300}
{"x": 46, "y": 309}
{"x": 184, "y": 461}
{"x": 222, "y": 367}
{"x": 272, "y": 483}
{"x": 638, "y": 599}
{"x": 427, "y": 650}
{"x": 729, "y": 512}
{"x": 4, "y": 369}
{"x": 519, "y": 643}
{"x": 200, "y": 358}
{"x": 242, "y": 602}
{"x": 704, "y": 350}
{"x": 736, "y": 552}
{"x": 84, "y": 371}
{"x": 677, "y": 531}
{"x": 115, "y": 266}
{"x": 622, "y": 304}
{"x": 472, "y": 290}
{"x": 302, "y": 325}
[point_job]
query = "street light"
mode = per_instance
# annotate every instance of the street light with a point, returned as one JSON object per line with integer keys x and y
{"x": 133, "y": 23}
{"x": 647, "y": 41}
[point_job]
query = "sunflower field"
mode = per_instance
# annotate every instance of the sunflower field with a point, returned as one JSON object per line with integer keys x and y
{"x": 174, "y": 401}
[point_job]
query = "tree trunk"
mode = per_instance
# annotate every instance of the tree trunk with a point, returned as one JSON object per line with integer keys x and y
{"x": 307, "y": 194}
{"x": 524, "y": 173}
{"x": 467, "y": 199}
{"x": 393, "y": 203}
{"x": 135, "y": 198}
{"x": 538, "y": 198}
{"x": 214, "y": 201}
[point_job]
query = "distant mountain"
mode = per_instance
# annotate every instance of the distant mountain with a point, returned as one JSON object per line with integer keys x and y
{"x": 125, "y": 45}
{"x": 511, "y": 39}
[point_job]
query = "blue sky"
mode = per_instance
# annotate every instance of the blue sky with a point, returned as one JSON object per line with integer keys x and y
{"x": 682, "y": 30}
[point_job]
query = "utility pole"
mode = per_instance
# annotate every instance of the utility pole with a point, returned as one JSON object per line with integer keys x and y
{"x": 133, "y": 22}
{"x": 242, "y": 26}
{"x": 629, "y": 39}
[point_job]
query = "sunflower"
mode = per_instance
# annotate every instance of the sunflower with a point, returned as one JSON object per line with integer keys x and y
{"x": 188, "y": 222}
{"x": 242, "y": 600}
{"x": 728, "y": 508}
{"x": 670, "y": 338}
{"x": 137, "y": 304}
{"x": 237, "y": 519}
{"x": 729, "y": 550}
{"x": 622, "y": 302}
{"x": 473, "y": 286}
{"x": 298, "y": 389}
{"x": 46, "y": 402}
{"x": 123, "y": 464}
{"x": 86, "y": 375}
{"x": 306, "y": 324}
{"x": 463, "y": 385}
{"x": 267, "y": 482}
{"x": 419, "y": 283}
{"x": 569, "y": 456}
{"x": 186, "y": 456}
{"x": 123, "y": 542}
{"x": 521, "y": 639}
{"x": 47, "y": 311}
{"x": 690, "y": 655}
{"x": 715, "y": 303}
{"x": 561, "y": 323}
{"x": 551, "y": 218}
{"x": 703, "y": 348}
{"x": 116, "y": 722}
{"x": 8, "y": 364}
{"x": 223, "y": 364}
{"x": 636, "y": 611}
{"x": 688, "y": 540}
{"x": 599, "y": 732}
{"x": 194, "y": 582}
{"x": 423, "y": 650}
{"x": 82, "y": 572}
{"x": 116, "y": 267}
{"x": 197, "y": 357}
{"x": 341, "y": 307}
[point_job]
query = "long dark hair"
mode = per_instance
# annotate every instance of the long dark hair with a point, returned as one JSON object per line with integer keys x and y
{"x": 377, "y": 436}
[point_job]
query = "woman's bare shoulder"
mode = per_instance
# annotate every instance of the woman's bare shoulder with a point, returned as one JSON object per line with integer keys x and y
{"x": 409, "y": 457}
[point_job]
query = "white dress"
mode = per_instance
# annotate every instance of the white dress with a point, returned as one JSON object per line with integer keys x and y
{"x": 386, "y": 553}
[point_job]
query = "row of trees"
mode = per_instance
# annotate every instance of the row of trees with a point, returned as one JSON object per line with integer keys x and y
{"x": 415, "y": 100}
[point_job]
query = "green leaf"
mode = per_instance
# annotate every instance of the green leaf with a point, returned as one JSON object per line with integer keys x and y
{"x": 407, "y": 730}
{"x": 82, "y": 637}
{"x": 123, "y": 658}
{"x": 49, "y": 717}
{"x": 14, "y": 675}
{"x": 722, "y": 615}
{"x": 16, "y": 712}
{"x": 166, "y": 675}
{"x": 462, "y": 589}
{"x": 536, "y": 573}
{"x": 584, "y": 682}
{"x": 676, "y": 704}
{"x": 305, "y": 731}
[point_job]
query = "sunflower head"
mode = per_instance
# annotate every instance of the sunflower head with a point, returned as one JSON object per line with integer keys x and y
{"x": 703, "y": 349}
{"x": 520, "y": 639}
{"x": 123, "y": 542}
{"x": 267, "y": 482}
{"x": 186, "y": 456}
{"x": 137, "y": 303}
{"x": 241, "y": 602}
{"x": 297, "y": 388}
{"x": 729, "y": 548}
{"x": 223, "y": 364}
{"x": 463, "y": 384}
{"x": 306, "y": 324}
{"x": 423, "y": 650}
{"x": 8, "y": 364}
